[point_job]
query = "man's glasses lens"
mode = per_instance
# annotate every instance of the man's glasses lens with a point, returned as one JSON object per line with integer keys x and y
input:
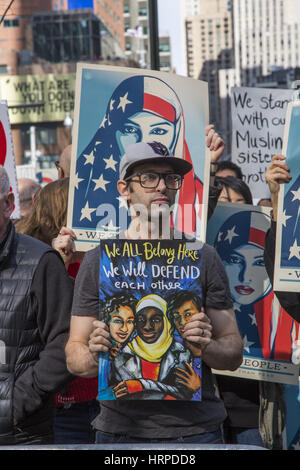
{"x": 151, "y": 180}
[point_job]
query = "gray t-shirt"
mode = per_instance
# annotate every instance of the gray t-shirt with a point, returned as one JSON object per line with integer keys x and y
{"x": 159, "y": 419}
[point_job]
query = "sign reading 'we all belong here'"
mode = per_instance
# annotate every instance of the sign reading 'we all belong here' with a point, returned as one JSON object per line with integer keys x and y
{"x": 258, "y": 118}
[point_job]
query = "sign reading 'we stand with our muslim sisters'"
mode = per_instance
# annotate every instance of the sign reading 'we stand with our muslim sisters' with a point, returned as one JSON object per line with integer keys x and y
{"x": 148, "y": 291}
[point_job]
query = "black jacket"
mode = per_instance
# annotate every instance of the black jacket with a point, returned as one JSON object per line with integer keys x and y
{"x": 35, "y": 304}
{"x": 290, "y": 301}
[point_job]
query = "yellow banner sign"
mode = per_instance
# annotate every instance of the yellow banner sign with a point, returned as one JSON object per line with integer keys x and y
{"x": 38, "y": 98}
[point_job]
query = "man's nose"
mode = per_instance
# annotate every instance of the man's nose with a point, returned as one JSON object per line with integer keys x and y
{"x": 162, "y": 184}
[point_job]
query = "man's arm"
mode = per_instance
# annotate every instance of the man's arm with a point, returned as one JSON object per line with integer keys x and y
{"x": 221, "y": 343}
{"x": 81, "y": 360}
{"x": 85, "y": 310}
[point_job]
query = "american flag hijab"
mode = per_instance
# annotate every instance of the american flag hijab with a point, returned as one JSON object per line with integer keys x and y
{"x": 97, "y": 170}
{"x": 267, "y": 330}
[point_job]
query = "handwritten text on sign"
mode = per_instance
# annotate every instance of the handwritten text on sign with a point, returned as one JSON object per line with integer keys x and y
{"x": 258, "y": 118}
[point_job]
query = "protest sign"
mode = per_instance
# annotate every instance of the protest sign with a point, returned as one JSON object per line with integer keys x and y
{"x": 292, "y": 429}
{"x": 258, "y": 118}
{"x": 116, "y": 107}
{"x": 148, "y": 291}
{"x": 7, "y": 158}
{"x": 38, "y": 98}
{"x": 269, "y": 334}
{"x": 287, "y": 253}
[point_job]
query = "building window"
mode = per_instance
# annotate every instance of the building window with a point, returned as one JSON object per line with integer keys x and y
{"x": 143, "y": 12}
{"x": 3, "y": 69}
{"x": 11, "y": 23}
{"x": 164, "y": 48}
{"x": 66, "y": 37}
{"x": 46, "y": 134}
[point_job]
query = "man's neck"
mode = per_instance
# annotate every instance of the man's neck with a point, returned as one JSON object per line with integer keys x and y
{"x": 145, "y": 230}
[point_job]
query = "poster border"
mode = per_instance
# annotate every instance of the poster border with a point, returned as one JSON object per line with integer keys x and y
{"x": 85, "y": 244}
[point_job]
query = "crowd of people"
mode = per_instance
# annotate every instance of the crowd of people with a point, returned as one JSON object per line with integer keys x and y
{"x": 52, "y": 333}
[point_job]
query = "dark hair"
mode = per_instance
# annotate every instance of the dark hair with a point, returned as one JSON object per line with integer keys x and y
{"x": 237, "y": 185}
{"x": 114, "y": 303}
{"x": 229, "y": 165}
{"x": 175, "y": 301}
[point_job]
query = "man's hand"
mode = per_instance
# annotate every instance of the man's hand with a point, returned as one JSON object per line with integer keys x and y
{"x": 277, "y": 173}
{"x": 198, "y": 332}
{"x": 189, "y": 378}
{"x": 99, "y": 339}
{"x": 214, "y": 142}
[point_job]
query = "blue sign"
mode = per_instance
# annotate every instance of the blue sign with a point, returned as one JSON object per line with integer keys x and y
{"x": 78, "y": 4}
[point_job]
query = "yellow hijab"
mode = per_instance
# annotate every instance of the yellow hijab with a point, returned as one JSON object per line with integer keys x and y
{"x": 153, "y": 352}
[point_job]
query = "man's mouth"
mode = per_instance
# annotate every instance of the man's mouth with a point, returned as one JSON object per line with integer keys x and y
{"x": 244, "y": 290}
{"x": 161, "y": 200}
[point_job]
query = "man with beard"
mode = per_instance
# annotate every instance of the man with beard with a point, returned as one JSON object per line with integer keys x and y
{"x": 149, "y": 178}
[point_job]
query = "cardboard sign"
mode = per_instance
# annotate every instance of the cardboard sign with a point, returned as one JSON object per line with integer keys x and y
{"x": 148, "y": 290}
{"x": 292, "y": 429}
{"x": 116, "y": 107}
{"x": 38, "y": 98}
{"x": 258, "y": 118}
{"x": 270, "y": 335}
{"x": 287, "y": 254}
{"x": 7, "y": 158}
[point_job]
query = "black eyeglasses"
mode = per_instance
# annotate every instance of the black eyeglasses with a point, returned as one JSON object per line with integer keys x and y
{"x": 151, "y": 180}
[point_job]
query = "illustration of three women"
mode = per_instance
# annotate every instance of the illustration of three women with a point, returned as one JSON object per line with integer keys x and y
{"x": 147, "y": 360}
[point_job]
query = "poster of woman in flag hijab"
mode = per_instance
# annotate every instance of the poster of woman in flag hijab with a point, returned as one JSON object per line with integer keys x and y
{"x": 237, "y": 231}
{"x": 116, "y": 107}
{"x": 287, "y": 255}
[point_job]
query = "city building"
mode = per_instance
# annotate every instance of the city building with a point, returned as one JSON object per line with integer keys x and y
{"x": 40, "y": 43}
{"x": 209, "y": 49}
{"x": 240, "y": 43}
{"x": 136, "y": 25}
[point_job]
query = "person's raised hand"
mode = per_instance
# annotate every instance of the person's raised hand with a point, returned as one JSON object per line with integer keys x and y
{"x": 214, "y": 142}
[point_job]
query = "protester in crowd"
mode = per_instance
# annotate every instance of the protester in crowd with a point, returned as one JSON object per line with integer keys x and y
{"x": 248, "y": 401}
{"x": 76, "y": 406}
{"x": 225, "y": 168}
{"x": 277, "y": 173}
{"x": 214, "y": 333}
{"x": 233, "y": 190}
{"x": 48, "y": 213}
{"x": 28, "y": 188}
{"x": 35, "y": 304}
{"x": 265, "y": 202}
{"x": 64, "y": 162}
